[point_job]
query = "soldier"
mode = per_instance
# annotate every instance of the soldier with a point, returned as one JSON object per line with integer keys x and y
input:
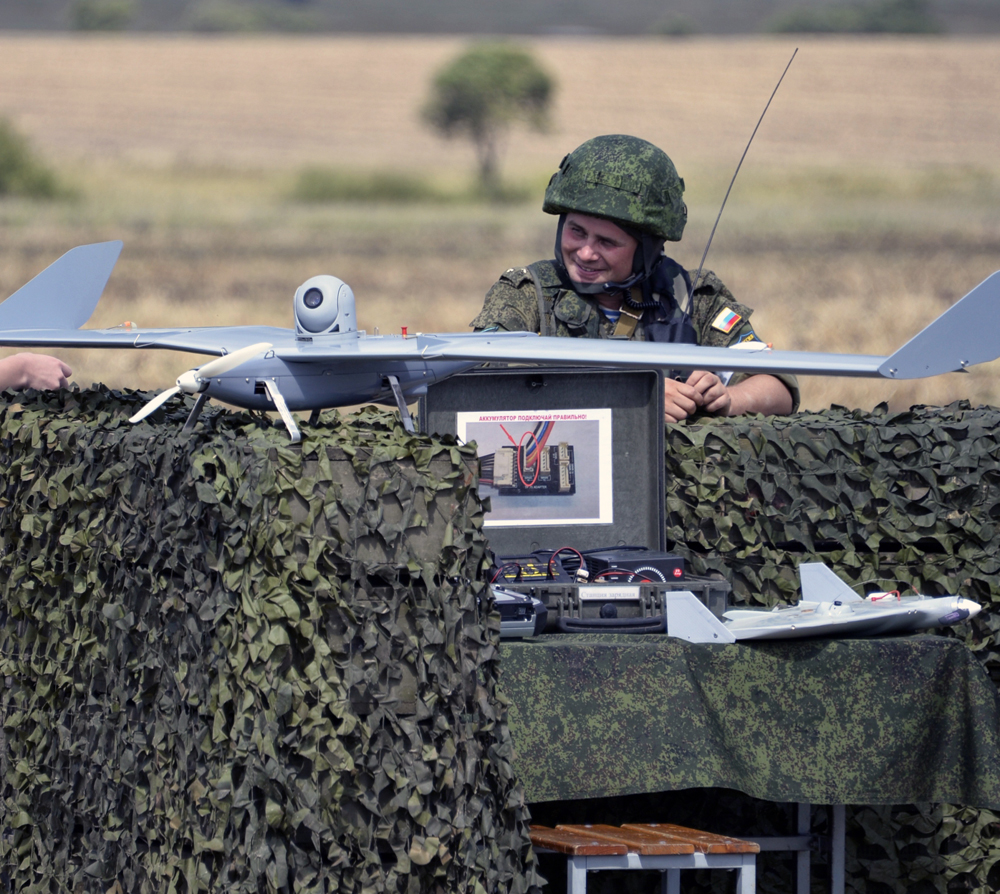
{"x": 618, "y": 199}
{"x": 39, "y": 371}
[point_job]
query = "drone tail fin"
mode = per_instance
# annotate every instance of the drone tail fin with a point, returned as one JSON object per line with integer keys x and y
{"x": 963, "y": 335}
{"x": 65, "y": 293}
{"x": 820, "y": 584}
{"x": 689, "y": 618}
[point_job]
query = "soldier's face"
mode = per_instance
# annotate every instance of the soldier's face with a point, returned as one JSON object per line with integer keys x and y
{"x": 596, "y": 250}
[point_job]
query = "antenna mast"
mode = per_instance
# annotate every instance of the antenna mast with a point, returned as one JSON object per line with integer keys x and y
{"x": 711, "y": 236}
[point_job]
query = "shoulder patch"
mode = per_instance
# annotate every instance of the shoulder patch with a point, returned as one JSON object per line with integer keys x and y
{"x": 516, "y": 276}
{"x": 726, "y": 320}
{"x": 750, "y": 336}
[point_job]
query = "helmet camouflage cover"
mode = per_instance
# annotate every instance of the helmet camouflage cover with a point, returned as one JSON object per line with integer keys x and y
{"x": 623, "y": 179}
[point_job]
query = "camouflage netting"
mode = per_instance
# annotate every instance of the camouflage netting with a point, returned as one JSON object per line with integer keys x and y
{"x": 890, "y": 500}
{"x": 231, "y": 664}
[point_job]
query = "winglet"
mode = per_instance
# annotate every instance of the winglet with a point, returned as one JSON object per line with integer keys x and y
{"x": 966, "y": 333}
{"x": 65, "y": 292}
{"x": 820, "y": 584}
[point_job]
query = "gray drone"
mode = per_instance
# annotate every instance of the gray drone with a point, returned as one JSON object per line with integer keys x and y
{"x": 325, "y": 361}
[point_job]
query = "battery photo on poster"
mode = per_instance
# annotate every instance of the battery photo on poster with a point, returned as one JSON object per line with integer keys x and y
{"x": 543, "y": 467}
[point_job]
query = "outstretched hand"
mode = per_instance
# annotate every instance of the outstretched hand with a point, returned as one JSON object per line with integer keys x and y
{"x": 27, "y": 370}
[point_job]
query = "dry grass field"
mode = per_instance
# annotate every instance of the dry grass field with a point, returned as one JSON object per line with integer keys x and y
{"x": 867, "y": 204}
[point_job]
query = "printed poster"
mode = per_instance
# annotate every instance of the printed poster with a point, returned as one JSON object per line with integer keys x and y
{"x": 543, "y": 467}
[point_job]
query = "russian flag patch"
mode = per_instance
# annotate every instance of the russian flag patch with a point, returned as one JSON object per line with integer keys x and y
{"x": 726, "y": 320}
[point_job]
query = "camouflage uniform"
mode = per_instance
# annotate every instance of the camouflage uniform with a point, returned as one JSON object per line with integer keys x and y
{"x": 513, "y": 304}
{"x": 635, "y": 185}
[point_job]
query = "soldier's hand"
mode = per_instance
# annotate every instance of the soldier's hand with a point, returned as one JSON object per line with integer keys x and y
{"x": 680, "y": 400}
{"x": 39, "y": 371}
{"x": 712, "y": 395}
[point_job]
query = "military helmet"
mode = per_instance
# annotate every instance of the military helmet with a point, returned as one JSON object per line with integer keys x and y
{"x": 623, "y": 179}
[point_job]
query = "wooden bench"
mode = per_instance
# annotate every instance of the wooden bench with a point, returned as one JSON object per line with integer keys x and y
{"x": 661, "y": 846}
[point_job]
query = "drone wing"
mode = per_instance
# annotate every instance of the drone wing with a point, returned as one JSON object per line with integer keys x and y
{"x": 216, "y": 340}
{"x": 499, "y": 347}
{"x": 527, "y": 347}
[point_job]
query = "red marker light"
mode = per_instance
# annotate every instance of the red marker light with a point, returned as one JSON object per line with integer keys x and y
{"x": 404, "y": 332}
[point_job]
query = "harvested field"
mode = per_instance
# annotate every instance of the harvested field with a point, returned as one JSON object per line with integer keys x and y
{"x": 355, "y": 101}
{"x": 867, "y": 203}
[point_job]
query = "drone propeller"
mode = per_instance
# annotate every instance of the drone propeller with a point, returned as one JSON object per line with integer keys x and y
{"x": 194, "y": 381}
{"x": 155, "y": 404}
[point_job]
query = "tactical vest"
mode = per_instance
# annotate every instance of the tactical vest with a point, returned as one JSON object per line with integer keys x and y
{"x": 564, "y": 312}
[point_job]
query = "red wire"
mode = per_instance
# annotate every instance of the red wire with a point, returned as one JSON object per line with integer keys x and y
{"x": 538, "y": 465}
{"x": 544, "y": 429}
{"x": 552, "y": 558}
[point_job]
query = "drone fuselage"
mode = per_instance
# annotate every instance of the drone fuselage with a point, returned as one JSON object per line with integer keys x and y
{"x": 322, "y": 383}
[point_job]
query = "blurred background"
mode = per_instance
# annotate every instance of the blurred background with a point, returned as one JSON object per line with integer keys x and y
{"x": 240, "y": 147}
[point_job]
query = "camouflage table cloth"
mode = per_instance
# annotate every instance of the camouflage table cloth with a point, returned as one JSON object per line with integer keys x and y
{"x": 866, "y": 721}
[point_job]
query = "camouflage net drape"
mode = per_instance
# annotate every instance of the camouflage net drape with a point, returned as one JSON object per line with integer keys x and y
{"x": 230, "y": 664}
{"x": 233, "y": 665}
{"x": 896, "y": 499}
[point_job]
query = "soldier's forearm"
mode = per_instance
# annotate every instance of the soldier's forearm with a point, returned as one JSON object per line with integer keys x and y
{"x": 760, "y": 394}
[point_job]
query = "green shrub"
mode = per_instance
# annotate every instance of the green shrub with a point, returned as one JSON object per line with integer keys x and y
{"x": 317, "y": 184}
{"x": 21, "y": 173}
{"x": 879, "y": 17}
{"x": 504, "y": 192}
{"x": 676, "y": 26}
{"x": 101, "y": 15}
{"x": 220, "y": 16}
{"x": 226, "y": 17}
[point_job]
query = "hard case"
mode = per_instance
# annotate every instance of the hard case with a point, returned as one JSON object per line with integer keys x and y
{"x": 636, "y": 476}
{"x": 568, "y": 603}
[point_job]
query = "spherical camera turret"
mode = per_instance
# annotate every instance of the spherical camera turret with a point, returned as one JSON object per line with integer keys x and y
{"x": 323, "y": 305}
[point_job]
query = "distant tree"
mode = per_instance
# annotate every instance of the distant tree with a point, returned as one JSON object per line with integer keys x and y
{"x": 482, "y": 92}
{"x": 21, "y": 173}
{"x": 101, "y": 15}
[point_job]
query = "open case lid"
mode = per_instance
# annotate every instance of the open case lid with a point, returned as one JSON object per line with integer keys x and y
{"x": 606, "y": 426}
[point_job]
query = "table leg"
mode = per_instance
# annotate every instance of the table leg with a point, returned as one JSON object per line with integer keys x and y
{"x": 747, "y": 882}
{"x": 838, "y": 837}
{"x": 670, "y": 881}
{"x": 576, "y": 875}
{"x": 803, "y": 859}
